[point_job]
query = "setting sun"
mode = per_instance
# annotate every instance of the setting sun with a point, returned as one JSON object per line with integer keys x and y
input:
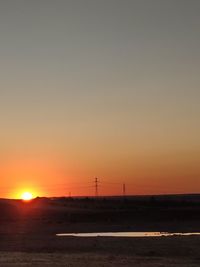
{"x": 26, "y": 196}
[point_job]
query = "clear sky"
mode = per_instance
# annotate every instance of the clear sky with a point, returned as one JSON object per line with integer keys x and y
{"x": 107, "y": 88}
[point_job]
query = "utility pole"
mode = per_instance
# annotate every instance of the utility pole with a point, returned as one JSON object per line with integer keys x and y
{"x": 96, "y": 185}
{"x": 124, "y": 189}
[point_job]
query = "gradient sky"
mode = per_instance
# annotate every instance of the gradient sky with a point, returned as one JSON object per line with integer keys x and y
{"x": 107, "y": 88}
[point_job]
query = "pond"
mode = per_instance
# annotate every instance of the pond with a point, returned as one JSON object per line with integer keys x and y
{"x": 126, "y": 234}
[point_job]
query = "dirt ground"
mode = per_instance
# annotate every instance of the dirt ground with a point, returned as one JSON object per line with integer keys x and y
{"x": 35, "y": 250}
{"x": 18, "y": 259}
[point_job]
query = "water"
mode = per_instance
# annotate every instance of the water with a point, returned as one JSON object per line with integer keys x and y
{"x": 126, "y": 234}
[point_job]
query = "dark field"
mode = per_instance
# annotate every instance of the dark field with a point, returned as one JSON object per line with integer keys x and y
{"x": 28, "y": 231}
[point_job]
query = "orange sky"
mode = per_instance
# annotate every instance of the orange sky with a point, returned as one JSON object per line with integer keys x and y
{"x": 52, "y": 176}
{"x": 99, "y": 88}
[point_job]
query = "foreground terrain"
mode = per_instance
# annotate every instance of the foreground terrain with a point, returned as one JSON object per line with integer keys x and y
{"x": 28, "y": 232}
{"x": 88, "y": 260}
{"x": 23, "y": 250}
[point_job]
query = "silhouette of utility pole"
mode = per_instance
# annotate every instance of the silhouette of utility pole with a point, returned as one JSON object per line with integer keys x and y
{"x": 124, "y": 189}
{"x": 96, "y": 185}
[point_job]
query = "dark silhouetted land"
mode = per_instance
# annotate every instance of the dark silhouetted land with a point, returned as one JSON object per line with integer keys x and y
{"x": 28, "y": 231}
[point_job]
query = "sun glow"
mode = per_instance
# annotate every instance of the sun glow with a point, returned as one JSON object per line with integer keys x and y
{"x": 26, "y": 196}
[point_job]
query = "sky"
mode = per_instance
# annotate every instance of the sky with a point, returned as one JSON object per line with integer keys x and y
{"x": 99, "y": 88}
